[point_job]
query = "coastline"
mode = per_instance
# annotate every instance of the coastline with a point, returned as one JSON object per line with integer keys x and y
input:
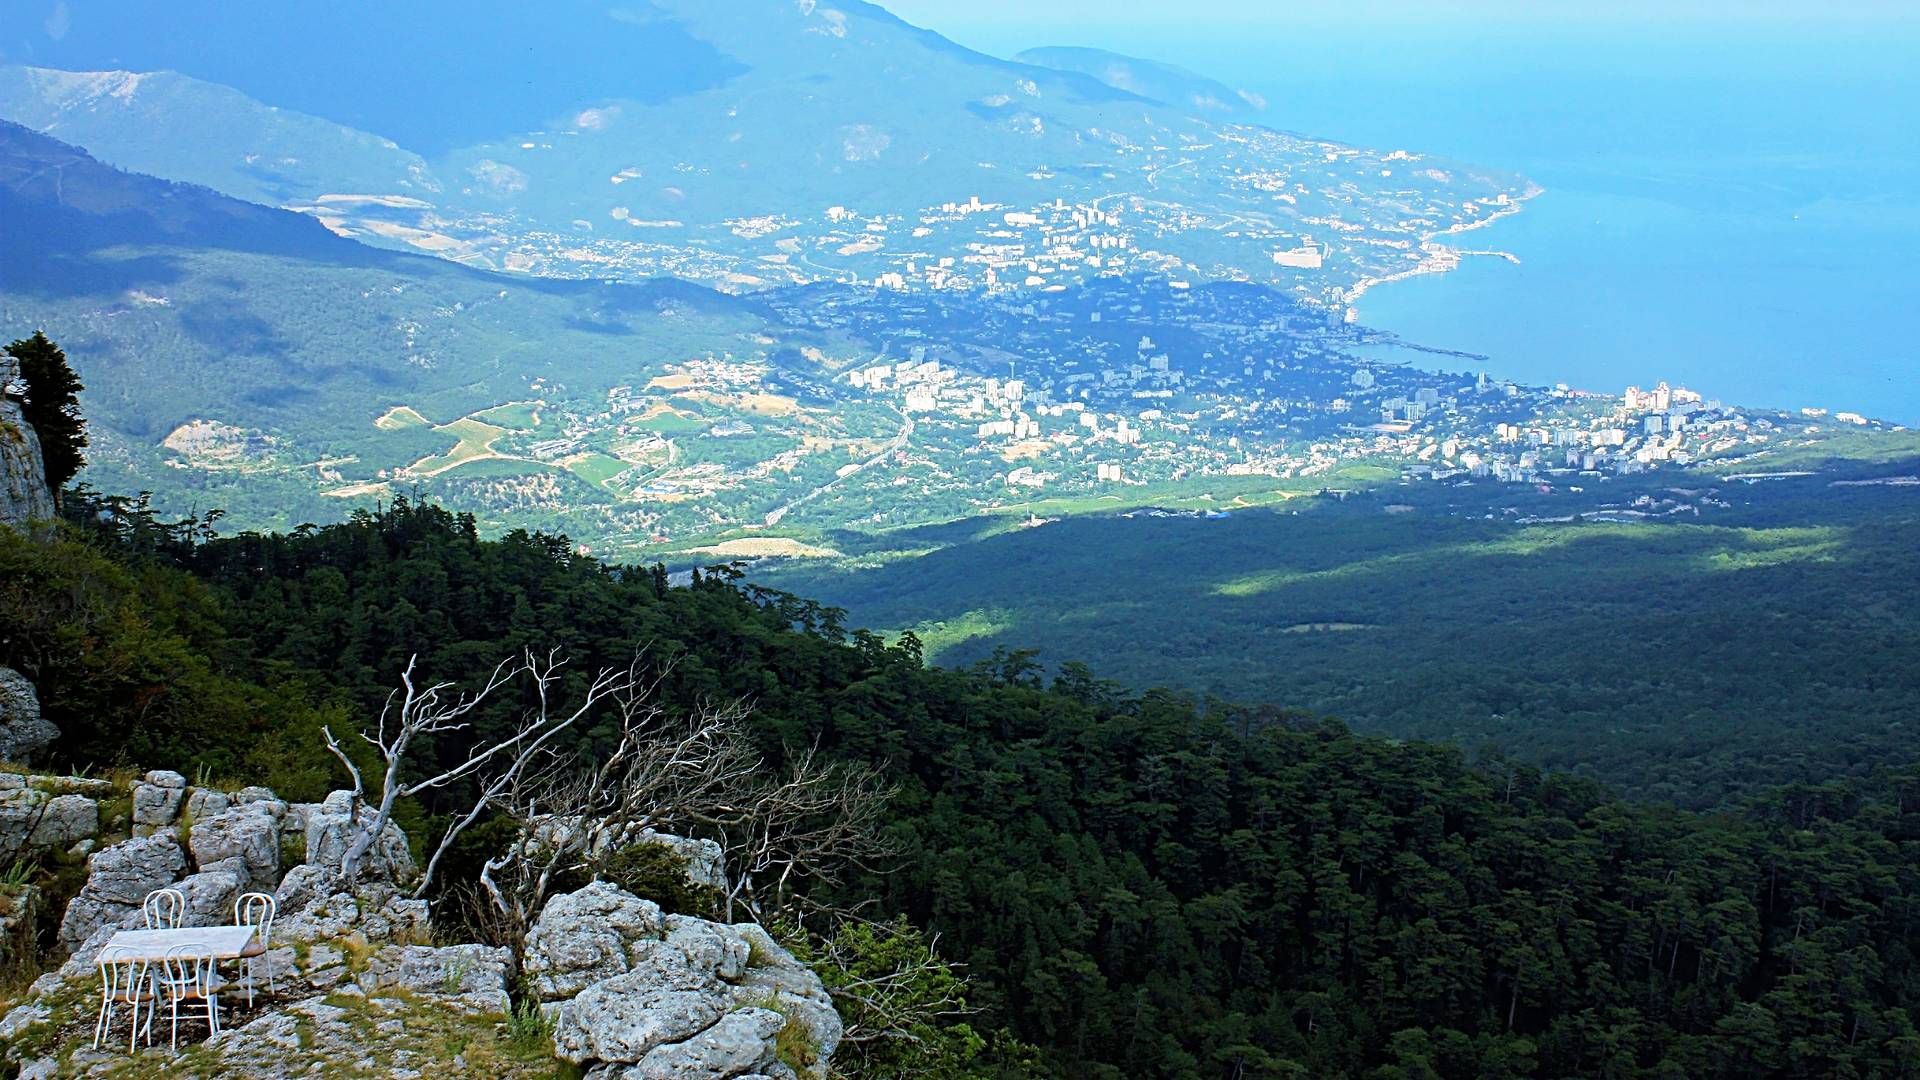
{"x": 1438, "y": 258}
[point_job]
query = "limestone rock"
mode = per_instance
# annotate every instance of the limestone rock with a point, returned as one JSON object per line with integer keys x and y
{"x": 266, "y": 800}
{"x": 685, "y": 997}
{"x": 118, "y": 880}
{"x": 22, "y": 1019}
{"x": 249, "y": 834}
{"x": 331, "y": 829}
{"x": 775, "y": 975}
{"x": 301, "y": 886}
{"x": 706, "y": 861}
{"x": 157, "y": 799}
{"x": 210, "y": 895}
{"x": 584, "y": 937}
{"x": 740, "y": 1043}
{"x": 24, "y": 495}
{"x": 625, "y": 1017}
{"x": 295, "y": 818}
{"x": 202, "y": 802}
{"x": 472, "y": 978}
{"x": 709, "y": 946}
{"x": 31, "y": 818}
{"x": 23, "y": 731}
{"x": 314, "y": 908}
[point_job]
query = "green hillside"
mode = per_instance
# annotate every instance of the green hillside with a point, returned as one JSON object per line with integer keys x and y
{"x": 243, "y": 358}
{"x": 1137, "y": 886}
{"x": 1684, "y": 657}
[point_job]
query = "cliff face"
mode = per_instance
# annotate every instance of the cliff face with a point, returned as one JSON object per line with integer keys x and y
{"x": 23, "y": 486}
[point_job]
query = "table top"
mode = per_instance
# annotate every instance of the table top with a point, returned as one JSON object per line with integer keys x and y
{"x": 222, "y": 942}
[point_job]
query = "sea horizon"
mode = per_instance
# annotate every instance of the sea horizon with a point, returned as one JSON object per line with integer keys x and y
{"x": 1732, "y": 211}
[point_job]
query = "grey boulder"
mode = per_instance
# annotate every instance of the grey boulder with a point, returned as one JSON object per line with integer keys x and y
{"x": 118, "y": 881}
{"x": 584, "y": 937}
{"x": 23, "y": 731}
{"x": 247, "y": 836}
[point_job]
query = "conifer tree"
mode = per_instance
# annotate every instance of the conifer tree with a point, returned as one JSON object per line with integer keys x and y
{"x": 52, "y": 406}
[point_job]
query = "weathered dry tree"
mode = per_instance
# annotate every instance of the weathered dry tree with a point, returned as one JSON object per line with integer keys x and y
{"x": 804, "y": 826}
{"x": 415, "y": 714}
{"x": 782, "y": 831}
{"x": 697, "y": 774}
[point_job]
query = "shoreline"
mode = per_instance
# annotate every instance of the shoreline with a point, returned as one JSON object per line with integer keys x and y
{"x": 1438, "y": 258}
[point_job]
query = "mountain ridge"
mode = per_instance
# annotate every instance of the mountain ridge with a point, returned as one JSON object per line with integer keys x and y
{"x": 842, "y": 144}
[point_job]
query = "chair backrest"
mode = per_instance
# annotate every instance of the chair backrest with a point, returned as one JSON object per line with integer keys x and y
{"x": 188, "y": 967}
{"x": 256, "y": 909}
{"x": 164, "y": 909}
{"x": 122, "y": 973}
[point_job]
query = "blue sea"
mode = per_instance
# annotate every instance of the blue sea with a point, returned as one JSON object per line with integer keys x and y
{"x": 1733, "y": 205}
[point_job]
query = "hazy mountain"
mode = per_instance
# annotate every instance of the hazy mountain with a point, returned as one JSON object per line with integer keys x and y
{"x": 172, "y": 125}
{"x": 62, "y": 205}
{"x": 742, "y": 144}
{"x": 242, "y": 356}
{"x": 1151, "y": 79}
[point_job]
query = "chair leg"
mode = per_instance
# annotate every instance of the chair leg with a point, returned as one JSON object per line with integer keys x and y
{"x": 175, "y": 1040}
{"x": 102, "y": 1021}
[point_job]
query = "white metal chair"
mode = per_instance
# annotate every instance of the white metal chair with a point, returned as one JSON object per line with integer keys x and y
{"x": 257, "y": 909}
{"x": 124, "y": 980}
{"x": 164, "y": 909}
{"x": 187, "y": 974}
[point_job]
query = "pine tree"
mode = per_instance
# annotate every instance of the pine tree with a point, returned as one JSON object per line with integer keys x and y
{"x": 52, "y": 407}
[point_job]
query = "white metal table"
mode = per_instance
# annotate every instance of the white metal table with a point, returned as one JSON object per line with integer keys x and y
{"x": 221, "y": 942}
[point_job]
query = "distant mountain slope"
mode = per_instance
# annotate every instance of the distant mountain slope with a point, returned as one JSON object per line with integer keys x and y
{"x": 58, "y": 195}
{"x": 243, "y": 357}
{"x": 168, "y": 124}
{"x": 1151, "y": 79}
{"x": 813, "y": 142}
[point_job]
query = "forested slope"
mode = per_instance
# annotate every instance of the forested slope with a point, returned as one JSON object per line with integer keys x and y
{"x": 1138, "y": 885}
{"x": 1687, "y": 657}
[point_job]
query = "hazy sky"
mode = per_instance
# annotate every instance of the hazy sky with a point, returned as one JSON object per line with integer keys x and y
{"x": 1002, "y": 26}
{"x": 929, "y": 12}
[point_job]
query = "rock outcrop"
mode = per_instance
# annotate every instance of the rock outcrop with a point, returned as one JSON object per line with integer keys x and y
{"x": 24, "y": 496}
{"x": 468, "y": 977}
{"x": 331, "y": 828}
{"x": 23, "y": 731}
{"x": 118, "y": 881}
{"x": 157, "y": 799}
{"x": 655, "y": 995}
{"x": 33, "y": 817}
{"x": 241, "y": 840}
{"x": 629, "y": 991}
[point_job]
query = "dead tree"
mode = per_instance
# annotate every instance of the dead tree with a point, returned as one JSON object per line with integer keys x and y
{"x": 803, "y": 827}
{"x": 414, "y": 714}
{"x": 697, "y": 774}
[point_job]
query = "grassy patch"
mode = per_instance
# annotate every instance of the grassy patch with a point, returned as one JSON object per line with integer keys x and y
{"x": 400, "y": 418}
{"x": 594, "y": 467}
{"x": 476, "y": 442}
{"x": 514, "y": 416}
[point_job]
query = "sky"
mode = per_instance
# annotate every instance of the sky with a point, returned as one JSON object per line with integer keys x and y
{"x": 1270, "y": 11}
{"x": 1006, "y": 26}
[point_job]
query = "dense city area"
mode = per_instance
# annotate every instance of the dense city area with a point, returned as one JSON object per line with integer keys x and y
{"x": 883, "y": 408}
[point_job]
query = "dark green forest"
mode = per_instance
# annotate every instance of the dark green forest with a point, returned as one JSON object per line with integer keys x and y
{"x": 1138, "y": 884}
{"x": 1689, "y": 658}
